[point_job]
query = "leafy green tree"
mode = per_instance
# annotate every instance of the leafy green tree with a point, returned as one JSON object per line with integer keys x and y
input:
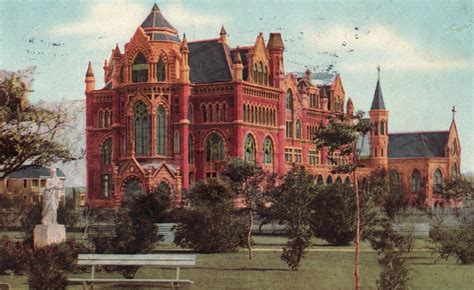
{"x": 291, "y": 201}
{"x": 246, "y": 179}
{"x": 11, "y": 209}
{"x": 211, "y": 224}
{"x": 457, "y": 189}
{"x": 341, "y": 135}
{"x": 135, "y": 229}
{"x": 458, "y": 242}
{"x": 28, "y": 133}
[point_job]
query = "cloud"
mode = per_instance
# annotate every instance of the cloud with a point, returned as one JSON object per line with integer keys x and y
{"x": 380, "y": 46}
{"x": 118, "y": 19}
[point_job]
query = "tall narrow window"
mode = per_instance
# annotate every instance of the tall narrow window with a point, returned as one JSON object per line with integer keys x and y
{"x": 394, "y": 179}
{"x": 376, "y": 128}
{"x": 176, "y": 142}
{"x": 190, "y": 113}
{"x": 455, "y": 170}
{"x": 106, "y": 188}
{"x": 204, "y": 113}
{"x": 106, "y": 152}
{"x": 142, "y": 129}
{"x": 298, "y": 129}
{"x": 289, "y": 100}
{"x": 161, "y": 130}
{"x": 106, "y": 119}
{"x": 160, "y": 70}
{"x": 437, "y": 180}
{"x": 214, "y": 148}
{"x": 101, "y": 119}
{"x": 191, "y": 149}
{"x": 260, "y": 73}
{"x": 382, "y": 128}
{"x": 249, "y": 148}
{"x": 415, "y": 180}
{"x": 268, "y": 151}
{"x": 139, "y": 69}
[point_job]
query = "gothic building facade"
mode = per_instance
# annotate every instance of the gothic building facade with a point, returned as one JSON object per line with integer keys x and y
{"x": 173, "y": 112}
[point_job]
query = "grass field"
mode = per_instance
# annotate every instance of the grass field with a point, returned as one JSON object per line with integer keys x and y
{"x": 325, "y": 267}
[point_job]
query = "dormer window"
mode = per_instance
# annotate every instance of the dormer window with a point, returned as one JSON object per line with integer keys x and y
{"x": 160, "y": 70}
{"x": 139, "y": 69}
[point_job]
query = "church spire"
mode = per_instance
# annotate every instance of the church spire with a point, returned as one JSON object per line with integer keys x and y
{"x": 377, "y": 102}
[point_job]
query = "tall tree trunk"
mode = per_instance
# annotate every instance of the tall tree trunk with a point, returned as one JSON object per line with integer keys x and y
{"x": 249, "y": 234}
{"x": 357, "y": 234}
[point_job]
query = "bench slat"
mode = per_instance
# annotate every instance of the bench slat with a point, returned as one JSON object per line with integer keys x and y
{"x": 137, "y": 263}
{"x": 176, "y": 257}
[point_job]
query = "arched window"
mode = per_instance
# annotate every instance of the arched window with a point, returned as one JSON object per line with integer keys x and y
{"x": 455, "y": 170}
{"x": 382, "y": 128}
{"x": 437, "y": 180}
{"x": 394, "y": 179}
{"x": 265, "y": 75}
{"x": 260, "y": 73}
{"x": 140, "y": 69}
{"x": 329, "y": 180}
{"x": 101, "y": 119}
{"x": 249, "y": 148}
{"x": 268, "y": 151}
{"x": 339, "y": 181}
{"x": 415, "y": 181}
{"x": 214, "y": 148}
{"x": 190, "y": 113}
{"x": 142, "y": 129}
{"x": 320, "y": 180}
{"x": 106, "y": 152}
{"x": 190, "y": 149}
{"x": 255, "y": 74}
{"x": 347, "y": 181}
{"x": 106, "y": 119}
{"x": 161, "y": 130}
{"x": 454, "y": 147}
{"x": 298, "y": 129}
{"x": 376, "y": 128}
{"x": 160, "y": 70}
{"x": 289, "y": 100}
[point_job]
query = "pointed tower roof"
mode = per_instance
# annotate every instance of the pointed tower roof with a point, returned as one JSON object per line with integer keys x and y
{"x": 90, "y": 72}
{"x": 223, "y": 30}
{"x": 184, "y": 44}
{"x": 275, "y": 41}
{"x": 116, "y": 52}
{"x": 377, "y": 102}
{"x": 156, "y": 21}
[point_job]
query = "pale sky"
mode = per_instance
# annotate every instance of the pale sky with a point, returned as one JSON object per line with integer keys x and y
{"x": 425, "y": 48}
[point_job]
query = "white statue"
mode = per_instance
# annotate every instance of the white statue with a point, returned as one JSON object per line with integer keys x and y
{"x": 51, "y": 199}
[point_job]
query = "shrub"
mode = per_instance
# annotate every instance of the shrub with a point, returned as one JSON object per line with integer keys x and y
{"x": 47, "y": 266}
{"x": 12, "y": 257}
{"x": 458, "y": 242}
{"x": 211, "y": 224}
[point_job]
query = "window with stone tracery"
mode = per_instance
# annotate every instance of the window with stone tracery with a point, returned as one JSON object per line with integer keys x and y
{"x": 142, "y": 129}
{"x": 215, "y": 148}
{"x": 268, "y": 151}
{"x": 415, "y": 181}
{"x": 160, "y": 70}
{"x": 249, "y": 148}
{"x": 106, "y": 152}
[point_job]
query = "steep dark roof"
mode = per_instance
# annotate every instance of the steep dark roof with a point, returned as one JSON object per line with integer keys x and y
{"x": 419, "y": 144}
{"x": 208, "y": 62}
{"x": 34, "y": 172}
{"x": 377, "y": 102}
{"x": 156, "y": 20}
{"x": 245, "y": 62}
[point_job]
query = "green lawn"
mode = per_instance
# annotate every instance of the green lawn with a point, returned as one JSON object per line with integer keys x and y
{"x": 324, "y": 267}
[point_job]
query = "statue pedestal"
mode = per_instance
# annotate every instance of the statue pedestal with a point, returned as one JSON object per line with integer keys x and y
{"x": 45, "y": 235}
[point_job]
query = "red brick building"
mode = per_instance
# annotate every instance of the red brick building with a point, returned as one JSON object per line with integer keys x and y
{"x": 173, "y": 112}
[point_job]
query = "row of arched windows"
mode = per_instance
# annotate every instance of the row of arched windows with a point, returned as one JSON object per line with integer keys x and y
{"x": 140, "y": 69}
{"x": 260, "y": 73}
{"x": 254, "y": 114}
{"x": 105, "y": 119}
{"x": 379, "y": 128}
{"x": 214, "y": 112}
{"x": 250, "y": 149}
{"x": 416, "y": 180}
{"x": 330, "y": 180}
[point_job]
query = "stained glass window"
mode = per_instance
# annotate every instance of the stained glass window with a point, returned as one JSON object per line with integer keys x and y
{"x": 106, "y": 151}
{"x": 142, "y": 129}
{"x": 160, "y": 70}
{"x": 139, "y": 69}
{"x": 268, "y": 151}
{"x": 214, "y": 148}
{"x": 161, "y": 130}
{"x": 249, "y": 148}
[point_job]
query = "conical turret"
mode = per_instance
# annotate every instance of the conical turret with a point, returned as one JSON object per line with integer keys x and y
{"x": 379, "y": 128}
{"x": 90, "y": 79}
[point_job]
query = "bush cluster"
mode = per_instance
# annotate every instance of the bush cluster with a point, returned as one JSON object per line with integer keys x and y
{"x": 457, "y": 242}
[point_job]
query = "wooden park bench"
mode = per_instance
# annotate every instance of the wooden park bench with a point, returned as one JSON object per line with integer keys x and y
{"x": 164, "y": 260}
